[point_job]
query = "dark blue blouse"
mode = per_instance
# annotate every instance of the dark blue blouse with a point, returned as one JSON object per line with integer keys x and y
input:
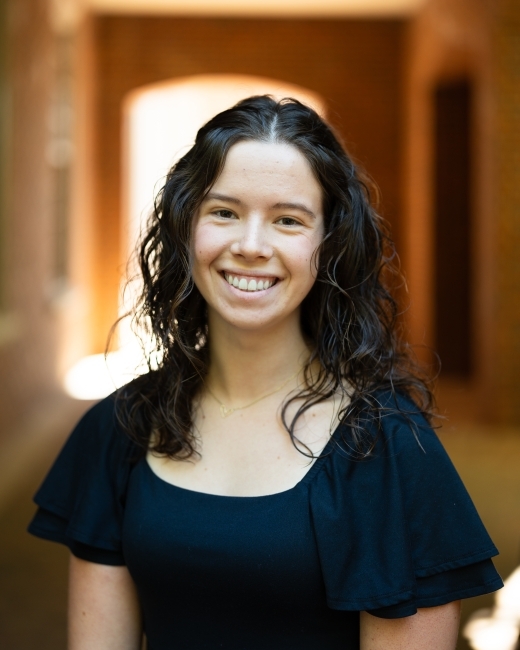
{"x": 388, "y": 534}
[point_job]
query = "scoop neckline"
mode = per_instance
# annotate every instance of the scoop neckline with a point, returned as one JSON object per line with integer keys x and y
{"x": 306, "y": 478}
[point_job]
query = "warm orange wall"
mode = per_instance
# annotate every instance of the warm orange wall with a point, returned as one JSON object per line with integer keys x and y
{"x": 479, "y": 39}
{"x": 28, "y": 354}
{"x": 75, "y": 325}
{"x": 507, "y": 274}
{"x": 450, "y": 39}
{"x": 355, "y": 65}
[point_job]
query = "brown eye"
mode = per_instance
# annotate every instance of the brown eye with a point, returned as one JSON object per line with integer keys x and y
{"x": 288, "y": 221}
{"x": 224, "y": 214}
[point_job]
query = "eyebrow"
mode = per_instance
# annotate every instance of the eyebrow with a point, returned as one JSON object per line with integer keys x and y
{"x": 294, "y": 206}
{"x": 283, "y": 205}
{"x": 222, "y": 197}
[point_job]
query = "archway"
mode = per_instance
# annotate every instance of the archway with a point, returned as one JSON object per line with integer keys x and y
{"x": 161, "y": 121}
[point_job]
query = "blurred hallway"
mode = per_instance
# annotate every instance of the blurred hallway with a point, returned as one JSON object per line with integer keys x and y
{"x": 424, "y": 92}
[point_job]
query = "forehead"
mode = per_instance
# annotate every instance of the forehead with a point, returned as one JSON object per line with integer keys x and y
{"x": 270, "y": 168}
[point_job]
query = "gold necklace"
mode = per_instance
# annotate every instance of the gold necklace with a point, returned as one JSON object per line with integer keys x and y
{"x": 225, "y": 410}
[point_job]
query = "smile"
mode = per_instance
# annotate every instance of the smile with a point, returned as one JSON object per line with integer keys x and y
{"x": 244, "y": 283}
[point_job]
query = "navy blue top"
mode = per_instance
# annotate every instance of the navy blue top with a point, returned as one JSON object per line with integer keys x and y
{"x": 291, "y": 570}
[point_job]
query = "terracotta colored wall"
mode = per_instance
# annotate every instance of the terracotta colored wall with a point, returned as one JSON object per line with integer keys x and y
{"x": 478, "y": 40}
{"x": 450, "y": 40}
{"x": 507, "y": 219}
{"x": 355, "y": 65}
{"x": 76, "y": 316}
{"x": 28, "y": 344}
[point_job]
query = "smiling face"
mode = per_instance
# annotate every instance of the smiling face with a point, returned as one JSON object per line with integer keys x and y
{"x": 255, "y": 235}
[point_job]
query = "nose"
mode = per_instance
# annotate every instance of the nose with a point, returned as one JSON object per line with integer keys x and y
{"x": 252, "y": 241}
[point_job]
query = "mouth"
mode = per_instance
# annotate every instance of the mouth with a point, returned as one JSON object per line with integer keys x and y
{"x": 249, "y": 284}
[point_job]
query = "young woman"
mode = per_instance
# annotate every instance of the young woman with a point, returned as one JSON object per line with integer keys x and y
{"x": 272, "y": 482}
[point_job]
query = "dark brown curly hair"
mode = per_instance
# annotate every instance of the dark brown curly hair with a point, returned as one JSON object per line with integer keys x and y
{"x": 349, "y": 318}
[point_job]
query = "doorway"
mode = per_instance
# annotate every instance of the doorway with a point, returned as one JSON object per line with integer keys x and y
{"x": 160, "y": 122}
{"x": 453, "y": 228}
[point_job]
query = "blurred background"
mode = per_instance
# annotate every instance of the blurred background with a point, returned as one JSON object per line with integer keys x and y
{"x": 98, "y": 97}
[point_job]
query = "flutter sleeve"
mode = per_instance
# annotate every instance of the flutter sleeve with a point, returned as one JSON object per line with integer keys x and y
{"x": 81, "y": 501}
{"x": 398, "y": 531}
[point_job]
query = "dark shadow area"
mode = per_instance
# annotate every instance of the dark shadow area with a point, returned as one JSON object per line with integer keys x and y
{"x": 452, "y": 210}
{"x": 33, "y": 575}
{"x": 33, "y": 572}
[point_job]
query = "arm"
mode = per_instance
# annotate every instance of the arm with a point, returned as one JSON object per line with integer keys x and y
{"x": 104, "y": 612}
{"x": 432, "y": 628}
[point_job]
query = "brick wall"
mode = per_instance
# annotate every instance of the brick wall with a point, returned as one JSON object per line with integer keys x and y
{"x": 355, "y": 65}
{"x": 452, "y": 40}
{"x": 476, "y": 40}
{"x": 29, "y": 343}
{"x": 507, "y": 300}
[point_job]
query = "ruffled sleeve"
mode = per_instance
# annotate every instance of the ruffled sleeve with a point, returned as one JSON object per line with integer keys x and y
{"x": 398, "y": 530}
{"x": 81, "y": 501}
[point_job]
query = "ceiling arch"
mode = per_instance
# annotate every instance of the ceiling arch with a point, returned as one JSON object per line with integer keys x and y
{"x": 375, "y": 8}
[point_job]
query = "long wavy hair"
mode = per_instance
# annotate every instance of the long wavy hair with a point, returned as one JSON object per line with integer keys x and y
{"x": 349, "y": 318}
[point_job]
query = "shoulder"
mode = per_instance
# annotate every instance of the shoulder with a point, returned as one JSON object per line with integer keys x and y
{"x": 387, "y": 423}
{"x": 395, "y": 516}
{"x": 99, "y": 419}
{"x": 96, "y": 446}
{"x": 99, "y": 427}
{"x": 81, "y": 501}
{"x": 410, "y": 472}
{"x": 398, "y": 410}
{"x": 399, "y": 425}
{"x": 407, "y": 443}
{"x": 407, "y": 460}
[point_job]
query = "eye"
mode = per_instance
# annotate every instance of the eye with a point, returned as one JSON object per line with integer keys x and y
{"x": 288, "y": 221}
{"x": 224, "y": 214}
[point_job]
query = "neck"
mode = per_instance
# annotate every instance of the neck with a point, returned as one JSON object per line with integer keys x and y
{"x": 247, "y": 364}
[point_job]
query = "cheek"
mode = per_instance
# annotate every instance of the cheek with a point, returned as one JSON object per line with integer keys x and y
{"x": 311, "y": 257}
{"x": 207, "y": 245}
{"x": 305, "y": 265}
{"x": 315, "y": 253}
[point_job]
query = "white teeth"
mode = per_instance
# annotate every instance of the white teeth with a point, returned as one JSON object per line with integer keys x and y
{"x": 244, "y": 285}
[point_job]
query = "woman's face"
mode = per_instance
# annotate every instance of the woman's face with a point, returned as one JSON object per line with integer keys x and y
{"x": 255, "y": 235}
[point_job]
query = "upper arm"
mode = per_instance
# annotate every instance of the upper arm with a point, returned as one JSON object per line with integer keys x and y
{"x": 104, "y": 612}
{"x": 432, "y": 628}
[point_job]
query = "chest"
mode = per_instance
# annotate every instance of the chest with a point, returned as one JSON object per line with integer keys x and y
{"x": 249, "y": 453}
{"x": 192, "y": 535}
{"x": 248, "y": 567}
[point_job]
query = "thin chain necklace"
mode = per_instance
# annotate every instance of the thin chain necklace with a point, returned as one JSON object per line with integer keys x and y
{"x": 225, "y": 411}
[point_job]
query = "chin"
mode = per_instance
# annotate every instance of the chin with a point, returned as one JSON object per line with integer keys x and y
{"x": 253, "y": 325}
{"x": 251, "y": 321}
